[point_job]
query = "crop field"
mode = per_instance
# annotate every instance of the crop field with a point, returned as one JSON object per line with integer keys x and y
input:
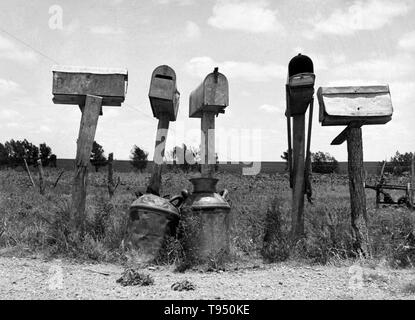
{"x": 34, "y": 223}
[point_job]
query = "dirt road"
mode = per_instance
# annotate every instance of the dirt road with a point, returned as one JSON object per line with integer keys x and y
{"x": 56, "y": 279}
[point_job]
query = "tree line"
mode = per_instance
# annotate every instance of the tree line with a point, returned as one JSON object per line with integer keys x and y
{"x": 13, "y": 153}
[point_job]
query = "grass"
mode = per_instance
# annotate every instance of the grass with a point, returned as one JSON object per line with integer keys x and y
{"x": 260, "y": 219}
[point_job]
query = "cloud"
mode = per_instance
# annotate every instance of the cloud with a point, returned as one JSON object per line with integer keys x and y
{"x": 10, "y": 51}
{"x": 271, "y": 108}
{"x": 105, "y": 30}
{"x": 178, "y": 2}
{"x": 361, "y": 15}
{"x": 9, "y": 114}
{"x": 248, "y": 16}
{"x": 375, "y": 70}
{"x": 192, "y": 30}
{"x": 247, "y": 71}
{"x": 71, "y": 27}
{"x": 8, "y": 87}
{"x": 407, "y": 41}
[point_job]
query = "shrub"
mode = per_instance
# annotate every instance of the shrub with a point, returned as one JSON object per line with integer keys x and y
{"x": 138, "y": 158}
{"x": 323, "y": 163}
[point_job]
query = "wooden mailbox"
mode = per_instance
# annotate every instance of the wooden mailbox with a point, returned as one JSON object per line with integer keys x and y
{"x": 300, "y": 84}
{"x": 344, "y": 105}
{"x": 72, "y": 84}
{"x": 90, "y": 89}
{"x": 164, "y": 96}
{"x": 212, "y": 95}
{"x": 354, "y": 107}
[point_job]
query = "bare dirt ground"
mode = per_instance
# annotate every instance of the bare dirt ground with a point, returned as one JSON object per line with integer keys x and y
{"x": 35, "y": 278}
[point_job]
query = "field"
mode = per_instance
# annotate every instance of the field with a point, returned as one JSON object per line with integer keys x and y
{"x": 34, "y": 225}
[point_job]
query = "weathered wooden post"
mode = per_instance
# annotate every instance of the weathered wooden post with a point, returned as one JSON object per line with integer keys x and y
{"x": 164, "y": 100}
{"x": 90, "y": 89}
{"x": 41, "y": 180}
{"x": 355, "y": 107}
{"x": 299, "y": 95}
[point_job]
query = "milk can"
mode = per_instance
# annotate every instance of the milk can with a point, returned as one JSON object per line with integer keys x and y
{"x": 152, "y": 218}
{"x": 205, "y": 223}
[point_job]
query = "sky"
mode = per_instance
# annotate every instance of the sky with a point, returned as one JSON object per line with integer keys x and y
{"x": 358, "y": 42}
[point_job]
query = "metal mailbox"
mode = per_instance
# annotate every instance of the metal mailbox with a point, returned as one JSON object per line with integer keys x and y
{"x": 164, "y": 96}
{"x": 300, "y": 84}
{"x": 72, "y": 84}
{"x": 344, "y": 105}
{"x": 211, "y": 95}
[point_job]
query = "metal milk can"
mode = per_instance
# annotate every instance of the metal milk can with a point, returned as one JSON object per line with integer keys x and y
{"x": 205, "y": 222}
{"x": 151, "y": 219}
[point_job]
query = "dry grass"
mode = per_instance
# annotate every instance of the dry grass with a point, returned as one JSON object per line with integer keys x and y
{"x": 259, "y": 203}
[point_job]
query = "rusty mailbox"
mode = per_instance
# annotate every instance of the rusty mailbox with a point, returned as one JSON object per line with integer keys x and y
{"x": 300, "y": 84}
{"x": 212, "y": 95}
{"x": 72, "y": 84}
{"x": 344, "y": 105}
{"x": 164, "y": 96}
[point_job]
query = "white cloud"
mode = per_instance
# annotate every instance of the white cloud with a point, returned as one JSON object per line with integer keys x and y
{"x": 8, "y": 87}
{"x": 10, "y": 51}
{"x": 71, "y": 27}
{"x": 271, "y": 108}
{"x": 408, "y": 41}
{"x": 249, "y": 16}
{"x": 361, "y": 15}
{"x": 247, "y": 71}
{"x": 192, "y": 30}
{"x": 375, "y": 70}
{"x": 105, "y": 30}
{"x": 178, "y": 2}
{"x": 9, "y": 114}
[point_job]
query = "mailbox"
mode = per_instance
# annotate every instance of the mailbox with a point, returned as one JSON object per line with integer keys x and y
{"x": 212, "y": 95}
{"x": 300, "y": 84}
{"x": 164, "y": 97}
{"x": 343, "y": 105}
{"x": 72, "y": 84}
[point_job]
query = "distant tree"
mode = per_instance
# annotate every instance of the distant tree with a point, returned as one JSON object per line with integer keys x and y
{"x": 97, "y": 156}
{"x": 138, "y": 158}
{"x": 399, "y": 163}
{"x": 53, "y": 160}
{"x": 323, "y": 163}
{"x": 45, "y": 154}
{"x": 18, "y": 150}
{"x": 284, "y": 156}
{"x": 4, "y": 156}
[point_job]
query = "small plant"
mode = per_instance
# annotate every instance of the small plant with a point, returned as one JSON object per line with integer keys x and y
{"x": 409, "y": 288}
{"x": 132, "y": 277}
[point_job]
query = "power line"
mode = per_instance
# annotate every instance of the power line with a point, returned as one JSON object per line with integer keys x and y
{"x": 29, "y": 46}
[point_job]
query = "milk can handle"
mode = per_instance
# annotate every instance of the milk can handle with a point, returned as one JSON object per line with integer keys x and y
{"x": 224, "y": 193}
{"x": 179, "y": 200}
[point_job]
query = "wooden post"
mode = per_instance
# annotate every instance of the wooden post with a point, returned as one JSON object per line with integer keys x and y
{"x": 412, "y": 193}
{"x": 28, "y": 173}
{"x": 357, "y": 191}
{"x": 41, "y": 180}
{"x": 111, "y": 184}
{"x": 90, "y": 113}
{"x": 208, "y": 144}
{"x": 161, "y": 136}
{"x": 297, "y": 220}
